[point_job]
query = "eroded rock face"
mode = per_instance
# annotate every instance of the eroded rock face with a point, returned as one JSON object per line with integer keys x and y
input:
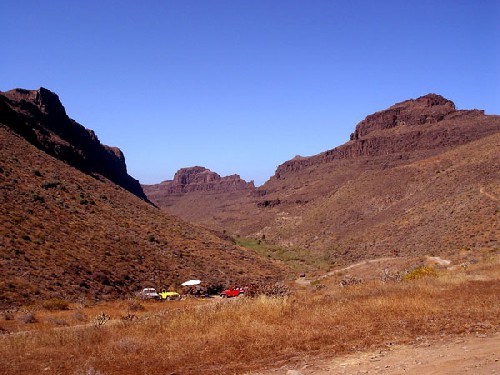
{"x": 427, "y": 109}
{"x": 420, "y": 125}
{"x": 197, "y": 178}
{"x": 39, "y": 117}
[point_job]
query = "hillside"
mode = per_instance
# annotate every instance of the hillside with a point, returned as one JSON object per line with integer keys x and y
{"x": 40, "y": 118}
{"x": 75, "y": 236}
{"x": 420, "y": 177}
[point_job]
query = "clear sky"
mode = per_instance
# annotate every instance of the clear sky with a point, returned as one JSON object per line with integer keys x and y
{"x": 242, "y": 86}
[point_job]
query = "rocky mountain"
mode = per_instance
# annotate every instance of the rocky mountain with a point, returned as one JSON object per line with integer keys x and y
{"x": 427, "y": 125}
{"x": 197, "y": 189}
{"x": 39, "y": 117}
{"x": 192, "y": 179}
{"x": 76, "y": 236}
{"x": 419, "y": 177}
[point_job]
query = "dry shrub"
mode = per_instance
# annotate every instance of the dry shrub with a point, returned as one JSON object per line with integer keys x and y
{"x": 101, "y": 319}
{"x": 8, "y": 315}
{"x": 420, "y": 272}
{"x": 269, "y": 290}
{"x": 129, "y": 317}
{"x": 128, "y": 345}
{"x": 350, "y": 280}
{"x": 55, "y": 304}
{"x": 79, "y": 316}
{"x": 27, "y": 318}
{"x": 134, "y": 305}
{"x": 57, "y": 321}
{"x": 390, "y": 276}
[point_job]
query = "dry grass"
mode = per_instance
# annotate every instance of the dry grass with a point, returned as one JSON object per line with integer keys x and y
{"x": 240, "y": 335}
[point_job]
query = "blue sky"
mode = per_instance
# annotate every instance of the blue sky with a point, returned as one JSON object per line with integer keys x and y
{"x": 242, "y": 86}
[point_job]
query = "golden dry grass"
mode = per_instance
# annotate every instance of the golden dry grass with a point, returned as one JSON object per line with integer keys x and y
{"x": 240, "y": 335}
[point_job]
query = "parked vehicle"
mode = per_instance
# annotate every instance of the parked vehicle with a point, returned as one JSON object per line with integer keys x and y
{"x": 232, "y": 292}
{"x": 169, "y": 295}
{"x": 149, "y": 293}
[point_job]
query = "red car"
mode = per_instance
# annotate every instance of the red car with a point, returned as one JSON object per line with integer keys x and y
{"x": 232, "y": 292}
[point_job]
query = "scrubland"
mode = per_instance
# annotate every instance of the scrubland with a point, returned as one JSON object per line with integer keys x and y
{"x": 241, "y": 335}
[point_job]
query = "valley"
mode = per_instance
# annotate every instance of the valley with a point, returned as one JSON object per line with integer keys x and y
{"x": 386, "y": 244}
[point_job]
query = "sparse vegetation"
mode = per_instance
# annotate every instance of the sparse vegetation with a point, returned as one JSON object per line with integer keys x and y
{"x": 244, "y": 334}
{"x": 68, "y": 235}
{"x": 59, "y": 242}
{"x": 298, "y": 259}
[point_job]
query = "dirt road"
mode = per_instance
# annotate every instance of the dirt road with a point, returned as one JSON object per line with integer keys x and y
{"x": 469, "y": 355}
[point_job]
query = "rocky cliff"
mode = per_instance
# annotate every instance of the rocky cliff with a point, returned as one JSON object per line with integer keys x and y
{"x": 193, "y": 179}
{"x": 427, "y": 109}
{"x": 39, "y": 117}
{"x": 427, "y": 124}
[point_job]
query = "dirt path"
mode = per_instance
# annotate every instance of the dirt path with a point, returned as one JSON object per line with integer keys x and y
{"x": 469, "y": 355}
{"x": 491, "y": 196}
{"x": 304, "y": 281}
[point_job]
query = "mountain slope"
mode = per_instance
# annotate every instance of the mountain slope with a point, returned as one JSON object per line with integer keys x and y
{"x": 39, "y": 117}
{"x": 66, "y": 234}
{"x": 420, "y": 177}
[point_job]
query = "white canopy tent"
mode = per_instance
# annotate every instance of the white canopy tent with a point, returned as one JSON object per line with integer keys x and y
{"x": 191, "y": 282}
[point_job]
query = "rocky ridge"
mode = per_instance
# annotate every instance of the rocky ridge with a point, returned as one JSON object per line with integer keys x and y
{"x": 426, "y": 124}
{"x": 40, "y": 118}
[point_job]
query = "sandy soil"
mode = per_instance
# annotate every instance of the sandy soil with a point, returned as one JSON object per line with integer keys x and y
{"x": 469, "y": 355}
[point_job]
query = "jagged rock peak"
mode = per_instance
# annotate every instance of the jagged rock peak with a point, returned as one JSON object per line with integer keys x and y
{"x": 430, "y": 108}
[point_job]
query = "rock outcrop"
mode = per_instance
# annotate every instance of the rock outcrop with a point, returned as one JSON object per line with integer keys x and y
{"x": 200, "y": 178}
{"x": 197, "y": 179}
{"x": 39, "y": 117}
{"x": 427, "y": 109}
{"x": 428, "y": 123}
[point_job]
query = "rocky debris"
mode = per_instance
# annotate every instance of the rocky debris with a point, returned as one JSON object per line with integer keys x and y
{"x": 187, "y": 180}
{"x": 350, "y": 280}
{"x": 392, "y": 276}
{"x": 39, "y": 117}
{"x": 423, "y": 125}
